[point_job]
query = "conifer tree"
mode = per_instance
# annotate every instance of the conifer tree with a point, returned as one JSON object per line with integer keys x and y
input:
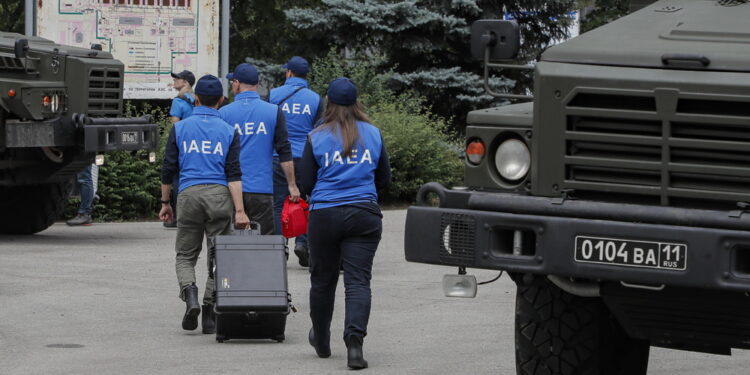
{"x": 427, "y": 41}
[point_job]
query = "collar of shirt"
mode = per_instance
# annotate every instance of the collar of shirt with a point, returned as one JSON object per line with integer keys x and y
{"x": 296, "y": 81}
{"x": 205, "y": 111}
{"x": 247, "y": 95}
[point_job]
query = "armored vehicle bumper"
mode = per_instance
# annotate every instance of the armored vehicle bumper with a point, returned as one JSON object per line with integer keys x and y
{"x": 583, "y": 239}
{"x": 95, "y": 134}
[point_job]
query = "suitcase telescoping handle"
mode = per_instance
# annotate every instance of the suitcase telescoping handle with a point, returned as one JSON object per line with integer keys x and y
{"x": 249, "y": 230}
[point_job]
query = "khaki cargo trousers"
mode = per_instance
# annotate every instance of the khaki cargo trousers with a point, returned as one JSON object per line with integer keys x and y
{"x": 204, "y": 209}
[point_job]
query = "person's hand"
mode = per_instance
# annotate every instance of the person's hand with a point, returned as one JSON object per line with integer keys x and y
{"x": 294, "y": 193}
{"x": 241, "y": 221}
{"x": 165, "y": 214}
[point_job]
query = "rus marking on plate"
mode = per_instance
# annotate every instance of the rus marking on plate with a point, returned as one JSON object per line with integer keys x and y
{"x": 632, "y": 253}
{"x": 129, "y": 137}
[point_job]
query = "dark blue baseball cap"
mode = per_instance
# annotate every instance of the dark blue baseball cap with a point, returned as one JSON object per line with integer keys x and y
{"x": 245, "y": 73}
{"x": 297, "y": 65}
{"x": 209, "y": 85}
{"x": 342, "y": 91}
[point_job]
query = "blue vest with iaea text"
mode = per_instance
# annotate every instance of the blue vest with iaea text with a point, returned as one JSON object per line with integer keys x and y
{"x": 255, "y": 121}
{"x": 343, "y": 180}
{"x": 203, "y": 140}
{"x": 300, "y": 111}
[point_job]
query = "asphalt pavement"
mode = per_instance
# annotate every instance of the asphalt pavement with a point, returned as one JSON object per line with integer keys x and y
{"x": 103, "y": 300}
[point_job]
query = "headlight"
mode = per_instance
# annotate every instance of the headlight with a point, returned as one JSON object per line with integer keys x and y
{"x": 55, "y": 103}
{"x": 513, "y": 160}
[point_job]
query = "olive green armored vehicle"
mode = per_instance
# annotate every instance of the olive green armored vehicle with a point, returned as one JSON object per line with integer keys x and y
{"x": 618, "y": 200}
{"x": 59, "y": 107}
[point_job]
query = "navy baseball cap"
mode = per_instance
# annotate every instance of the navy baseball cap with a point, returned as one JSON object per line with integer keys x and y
{"x": 297, "y": 65}
{"x": 209, "y": 85}
{"x": 186, "y": 75}
{"x": 245, "y": 73}
{"x": 342, "y": 91}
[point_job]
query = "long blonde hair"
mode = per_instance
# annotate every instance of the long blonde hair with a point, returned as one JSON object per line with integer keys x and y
{"x": 342, "y": 121}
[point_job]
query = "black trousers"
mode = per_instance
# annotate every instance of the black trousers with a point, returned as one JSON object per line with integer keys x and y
{"x": 346, "y": 236}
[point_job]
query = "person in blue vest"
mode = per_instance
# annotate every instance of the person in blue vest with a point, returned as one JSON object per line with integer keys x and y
{"x": 262, "y": 130}
{"x": 343, "y": 166}
{"x": 205, "y": 151}
{"x": 302, "y": 108}
{"x": 182, "y": 108}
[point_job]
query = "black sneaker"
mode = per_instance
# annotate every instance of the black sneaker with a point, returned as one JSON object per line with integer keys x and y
{"x": 170, "y": 225}
{"x": 303, "y": 255}
{"x": 80, "y": 219}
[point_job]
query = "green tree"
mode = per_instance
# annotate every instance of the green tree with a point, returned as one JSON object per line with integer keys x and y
{"x": 426, "y": 42}
{"x": 11, "y": 16}
{"x": 259, "y": 30}
{"x": 603, "y": 12}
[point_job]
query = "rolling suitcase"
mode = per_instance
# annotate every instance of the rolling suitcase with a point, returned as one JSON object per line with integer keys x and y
{"x": 252, "y": 298}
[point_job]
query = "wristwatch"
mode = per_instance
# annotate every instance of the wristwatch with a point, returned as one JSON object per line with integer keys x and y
{"x": 165, "y": 201}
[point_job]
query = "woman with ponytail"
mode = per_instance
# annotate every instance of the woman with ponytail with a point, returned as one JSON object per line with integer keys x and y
{"x": 344, "y": 164}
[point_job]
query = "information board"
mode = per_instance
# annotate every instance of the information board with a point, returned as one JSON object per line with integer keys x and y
{"x": 151, "y": 37}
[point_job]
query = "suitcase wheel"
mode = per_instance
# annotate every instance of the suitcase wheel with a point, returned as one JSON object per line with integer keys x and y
{"x": 280, "y": 338}
{"x": 220, "y": 339}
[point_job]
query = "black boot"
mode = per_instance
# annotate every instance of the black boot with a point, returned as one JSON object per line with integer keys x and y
{"x": 208, "y": 320}
{"x": 322, "y": 346}
{"x": 192, "y": 310}
{"x": 354, "y": 356}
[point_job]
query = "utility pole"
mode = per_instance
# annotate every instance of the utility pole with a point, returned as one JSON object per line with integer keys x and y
{"x": 224, "y": 60}
{"x": 28, "y": 13}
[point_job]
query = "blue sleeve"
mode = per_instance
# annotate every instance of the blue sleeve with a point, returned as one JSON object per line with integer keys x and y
{"x": 177, "y": 110}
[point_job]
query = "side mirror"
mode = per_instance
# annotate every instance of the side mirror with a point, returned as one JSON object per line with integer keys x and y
{"x": 501, "y": 37}
{"x": 21, "y": 48}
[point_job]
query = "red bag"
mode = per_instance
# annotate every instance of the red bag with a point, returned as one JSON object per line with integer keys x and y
{"x": 294, "y": 218}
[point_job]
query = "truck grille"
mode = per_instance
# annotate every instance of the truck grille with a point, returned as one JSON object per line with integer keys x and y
{"x": 105, "y": 92}
{"x": 690, "y": 151}
{"x": 456, "y": 240}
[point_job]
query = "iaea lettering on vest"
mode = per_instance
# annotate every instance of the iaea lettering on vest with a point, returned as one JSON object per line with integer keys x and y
{"x": 297, "y": 109}
{"x": 353, "y": 158}
{"x": 206, "y": 147}
{"x": 249, "y": 128}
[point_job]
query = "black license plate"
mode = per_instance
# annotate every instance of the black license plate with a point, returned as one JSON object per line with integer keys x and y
{"x": 129, "y": 137}
{"x": 661, "y": 255}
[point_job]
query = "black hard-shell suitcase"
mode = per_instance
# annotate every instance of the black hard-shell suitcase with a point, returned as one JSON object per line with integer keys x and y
{"x": 252, "y": 298}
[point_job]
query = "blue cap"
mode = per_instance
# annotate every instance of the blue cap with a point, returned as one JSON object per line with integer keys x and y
{"x": 297, "y": 65}
{"x": 342, "y": 91}
{"x": 209, "y": 85}
{"x": 245, "y": 73}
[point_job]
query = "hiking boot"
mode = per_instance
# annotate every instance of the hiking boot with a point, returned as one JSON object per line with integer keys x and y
{"x": 208, "y": 320}
{"x": 321, "y": 344}
{"x": 192, "y": 308}
{"x": 354, "y": 356}
{"x": 80, "y": 219}
{"x": 303, "y": 255}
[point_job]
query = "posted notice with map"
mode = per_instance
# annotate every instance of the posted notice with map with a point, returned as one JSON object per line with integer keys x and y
{"x": 151, "y": 37}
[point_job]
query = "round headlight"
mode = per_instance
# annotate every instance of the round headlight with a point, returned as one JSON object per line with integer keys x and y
{"x": 513, "y": 160}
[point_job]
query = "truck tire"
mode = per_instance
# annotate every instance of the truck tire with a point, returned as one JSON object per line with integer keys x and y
{"x": 558, "y": 333}
{"x": 34, "y": 208}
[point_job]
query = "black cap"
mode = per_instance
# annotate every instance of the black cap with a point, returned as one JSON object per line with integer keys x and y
{"x": 186, "y": 75}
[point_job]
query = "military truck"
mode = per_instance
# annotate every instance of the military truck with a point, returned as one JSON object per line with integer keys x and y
{"x": 617, "y": 200}
{"x": 60, "y": 106}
